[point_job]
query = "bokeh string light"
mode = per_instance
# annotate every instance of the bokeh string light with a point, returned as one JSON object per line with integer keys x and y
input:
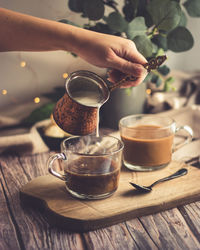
{"x": 65, "y": 75}
{"x": 148, "y": 91}
{"x": 4, "y": 92}
{"x": 36, "y": 99}
{"x": 23, "y": 64}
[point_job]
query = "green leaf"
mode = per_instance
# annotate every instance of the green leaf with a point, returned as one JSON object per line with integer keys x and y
{"x": 144, "y": 45}
{"x": 160, "y": 41}
{"x": 76, "y": 5}
{"x": 164, "y": 70}
{"x": 156, "y": 79}
{"x": 142, "y": 11}
{"x": 68, "y": 22}
{"x": 148, "y": 77}
{"x": 136, "y": 27}
{"x": 168, "y": 84}
{"x": 130, "y": 9}
{"x": 158, "y": 82}
{"x": 94, "y": 9}
{"x": 180, "y": 39}
{"x": 73, "y": 54}
{"x": 116, "y": 22}
{"x": 167, "y": 87}
{"x": 169, "y": 79}
{"x": 193, "y": 7}
{"x": 102, "y": 28}
{"x": 142, "y": 8}
{"x": 183, "y": 20}
{"x": 40, "y": 114}
{"x": 160, "y": 52}
{"x": 165, "y": 14}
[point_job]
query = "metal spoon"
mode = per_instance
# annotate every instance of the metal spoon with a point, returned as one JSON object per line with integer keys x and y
{"x": 180, "y": 172}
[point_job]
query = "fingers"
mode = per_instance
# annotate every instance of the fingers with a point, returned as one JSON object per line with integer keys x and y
{"x": 126, "y": 66}
{"x": 116, "y": 76}
{"x": 122, "y": 67}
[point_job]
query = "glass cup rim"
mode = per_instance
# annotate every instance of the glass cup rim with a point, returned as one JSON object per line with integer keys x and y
{"x": 172, "y": 122}
{"x": 121, "y": 145}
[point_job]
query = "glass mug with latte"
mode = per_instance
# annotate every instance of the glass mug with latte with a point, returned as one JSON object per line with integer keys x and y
{"x": 149, "y": 141}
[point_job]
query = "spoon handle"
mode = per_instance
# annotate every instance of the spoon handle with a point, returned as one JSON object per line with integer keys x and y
{"x": 180, "y": 172}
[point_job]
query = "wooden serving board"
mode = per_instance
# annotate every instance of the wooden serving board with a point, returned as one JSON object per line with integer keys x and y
{"x": 61, "y": 209}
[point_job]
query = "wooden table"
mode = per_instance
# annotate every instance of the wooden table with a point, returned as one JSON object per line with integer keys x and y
{"x": 26, "y": 228}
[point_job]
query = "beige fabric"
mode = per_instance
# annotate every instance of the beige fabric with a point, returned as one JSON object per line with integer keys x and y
{"x": 27, "y": 142}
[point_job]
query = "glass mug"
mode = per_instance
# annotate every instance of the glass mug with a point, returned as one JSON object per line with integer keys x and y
{"x": 149, "y": 141}
{"x": 91, "y": 165}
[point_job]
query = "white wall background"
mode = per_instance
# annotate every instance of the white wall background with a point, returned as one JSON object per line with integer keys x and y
{"x": 44, "y": 70}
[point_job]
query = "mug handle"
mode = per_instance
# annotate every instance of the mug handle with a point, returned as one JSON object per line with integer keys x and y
{"x": 187, "y": 140}
{"x": 50, "y": 162}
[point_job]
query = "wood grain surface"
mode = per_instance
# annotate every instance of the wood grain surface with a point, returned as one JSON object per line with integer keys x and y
{"x": 127, "y": 203}
{"x": 23, "y": 227}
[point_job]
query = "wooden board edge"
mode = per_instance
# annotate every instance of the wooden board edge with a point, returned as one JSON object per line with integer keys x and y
{"x": 80, "y": 226}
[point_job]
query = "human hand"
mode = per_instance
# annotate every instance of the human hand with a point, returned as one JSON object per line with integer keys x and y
{"x": 115, "y": 53}
{"x": 118, "y": 54}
